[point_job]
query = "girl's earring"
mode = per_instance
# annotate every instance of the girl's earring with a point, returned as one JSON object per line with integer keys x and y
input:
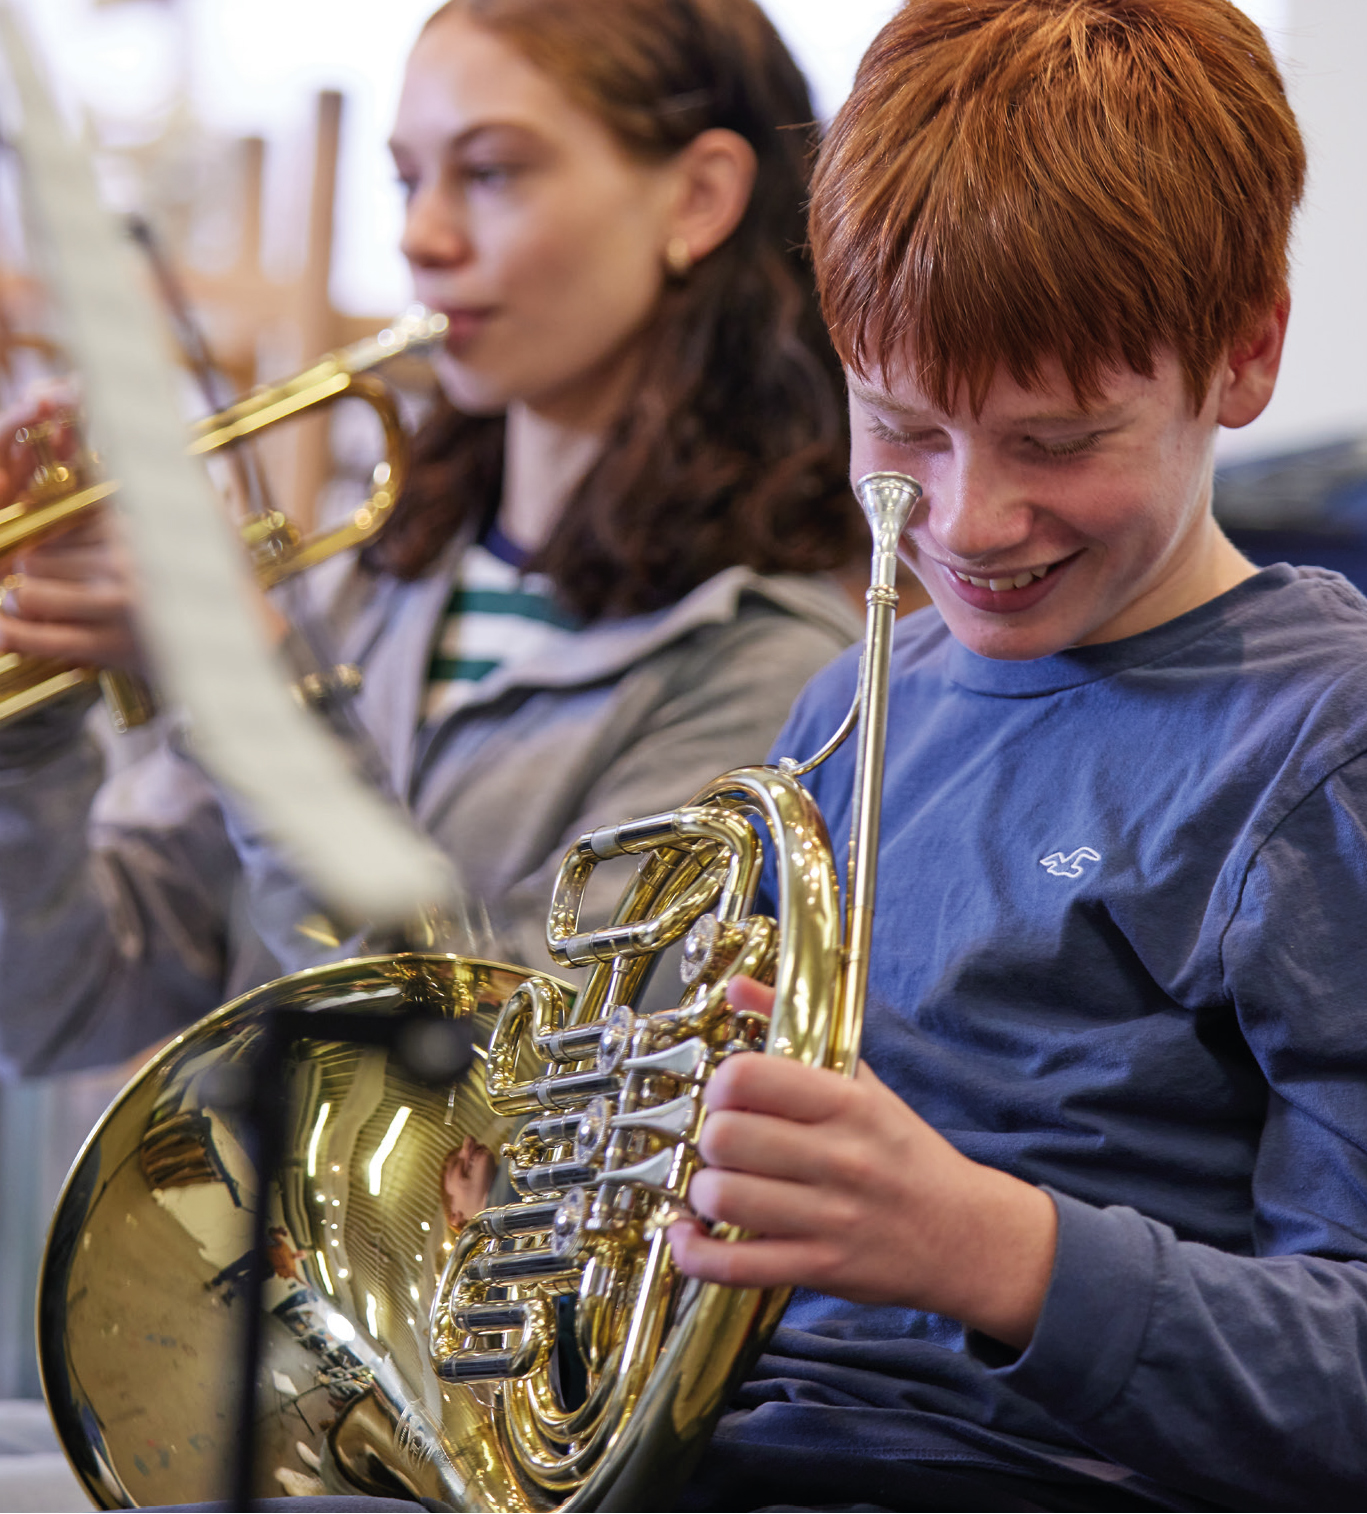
{"x": 678, "y": 259}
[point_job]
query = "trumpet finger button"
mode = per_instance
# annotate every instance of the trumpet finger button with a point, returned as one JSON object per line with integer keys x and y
{"x": 615, "y": 1039}
{"x": 591, "y": 1130}
{"x": 699, "y": 944}
{"x": 568, "y": 1229}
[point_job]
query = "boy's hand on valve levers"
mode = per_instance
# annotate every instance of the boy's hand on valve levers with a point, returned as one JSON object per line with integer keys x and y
{"x": 845, "y": 1190}
{"x": 69, "y": 596}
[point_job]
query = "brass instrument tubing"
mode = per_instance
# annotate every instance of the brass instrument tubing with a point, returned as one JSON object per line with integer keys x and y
{"x": 553, "y": 1128}
{"x": 573, "y": 1424}
{"x": 557, "y": 1470}
{"x": 279, "y": 549}
{"x": 21, "y": 524}
{"x": 506, "y": 1267}
{"x": 700, "y": 1014}
{"x": 796, "y": 769}
{"x": 517, "y": 1219}
{"x": 572, "y": 1045}
{"x": 805, "y": 989}
{"x": 488, "y": 1319}
{"x": 887, "y": 500}
{"x": 732, "y": 878}
{"x": 553, "y": 1177}
{"x": 665, "y": 874}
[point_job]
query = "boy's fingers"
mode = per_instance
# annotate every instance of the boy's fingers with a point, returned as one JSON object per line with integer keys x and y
{"x": 742, "y": 1141}
{"x": 739, "y": 1264}
{"x": 35, "y": 638}
{"x": 777, "y": 1086}
{"x": 766, "y": 1206}
{"x": 90, "y": 549}
{"x": 750, "y": 997}
{"x": 842, "y": 1157}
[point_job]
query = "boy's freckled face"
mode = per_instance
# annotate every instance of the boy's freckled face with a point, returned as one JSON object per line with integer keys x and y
{"x": 1079, "y": 525}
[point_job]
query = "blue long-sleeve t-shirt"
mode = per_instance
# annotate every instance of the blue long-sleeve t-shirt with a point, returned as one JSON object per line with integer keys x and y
{"x": 1120, "y": 950}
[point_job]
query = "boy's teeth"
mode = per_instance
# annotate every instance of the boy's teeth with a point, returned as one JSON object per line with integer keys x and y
{"x": 999, "y": 584}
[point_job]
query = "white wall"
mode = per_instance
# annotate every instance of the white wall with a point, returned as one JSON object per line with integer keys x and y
{"x": 1323, "y": 389}
{"x": 256, "y": 63}
{"x": 320, "y": 44}
{"x": 241, "y": 86}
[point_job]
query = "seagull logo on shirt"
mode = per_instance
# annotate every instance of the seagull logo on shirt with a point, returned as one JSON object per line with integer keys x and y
{"x": 1070, "y": 866}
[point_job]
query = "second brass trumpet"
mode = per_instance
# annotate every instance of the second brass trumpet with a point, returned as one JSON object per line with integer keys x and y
{"x": 59, "y": 495}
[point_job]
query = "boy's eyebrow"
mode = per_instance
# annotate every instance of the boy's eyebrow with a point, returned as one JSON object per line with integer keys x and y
{"x": 878, "y": 399}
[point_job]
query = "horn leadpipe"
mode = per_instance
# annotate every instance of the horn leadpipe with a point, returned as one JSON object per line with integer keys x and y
{"x": 887, "y": 500}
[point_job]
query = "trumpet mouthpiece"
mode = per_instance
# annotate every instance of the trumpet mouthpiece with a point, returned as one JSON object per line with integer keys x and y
{"x": 887, "y": 500}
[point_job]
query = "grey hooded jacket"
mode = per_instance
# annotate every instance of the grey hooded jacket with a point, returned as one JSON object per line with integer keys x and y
{"x": 131, "y": 907}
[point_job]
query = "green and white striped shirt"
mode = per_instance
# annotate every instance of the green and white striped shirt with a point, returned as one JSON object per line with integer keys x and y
{"x": 497, "y": 615}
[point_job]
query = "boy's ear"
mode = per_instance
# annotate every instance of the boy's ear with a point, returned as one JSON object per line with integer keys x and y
{"x": 1245, "y": 381}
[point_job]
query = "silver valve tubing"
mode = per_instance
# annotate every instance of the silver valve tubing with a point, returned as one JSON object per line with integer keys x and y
{"x": 686, "y": 1060}
{"x": 673, "y": 1119}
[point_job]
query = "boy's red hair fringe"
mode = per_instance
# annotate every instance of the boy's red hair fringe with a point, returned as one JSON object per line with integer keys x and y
{"x": 1089, "y": 180}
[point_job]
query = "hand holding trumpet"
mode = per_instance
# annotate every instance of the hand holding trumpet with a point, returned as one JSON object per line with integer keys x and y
{"x": 68, "y": 597}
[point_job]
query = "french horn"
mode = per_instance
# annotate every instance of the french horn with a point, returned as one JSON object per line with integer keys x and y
{"x": 466, "y": 1288}
{"x": 61, "y": 492}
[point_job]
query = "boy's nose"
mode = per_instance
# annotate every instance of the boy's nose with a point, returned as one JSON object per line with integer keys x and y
{"x": 975, "y": 510}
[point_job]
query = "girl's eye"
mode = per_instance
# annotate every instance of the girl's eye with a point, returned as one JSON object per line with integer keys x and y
{"x": 491, "y": 175}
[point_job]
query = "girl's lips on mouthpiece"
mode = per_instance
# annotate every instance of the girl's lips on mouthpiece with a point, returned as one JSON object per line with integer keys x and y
{"x": 464, "y": 324}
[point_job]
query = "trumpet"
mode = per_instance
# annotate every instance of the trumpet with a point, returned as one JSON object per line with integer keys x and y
{"x": 61, "y": 493}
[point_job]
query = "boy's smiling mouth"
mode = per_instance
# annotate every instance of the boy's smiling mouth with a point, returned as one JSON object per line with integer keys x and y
{"x": 997, "y": 584}
{"x": 1005, "y": 593}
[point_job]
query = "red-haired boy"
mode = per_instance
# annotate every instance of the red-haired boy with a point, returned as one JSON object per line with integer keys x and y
{"x": 1089, "y": 1230}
